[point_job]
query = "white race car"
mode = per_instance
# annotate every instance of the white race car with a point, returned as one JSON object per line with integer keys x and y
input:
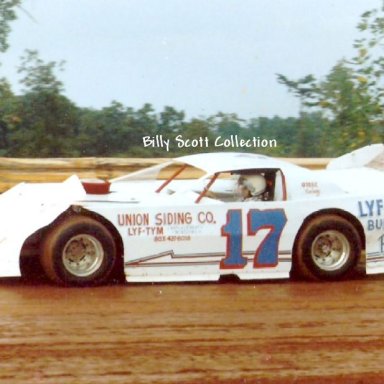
{"x": 200, "y": 217}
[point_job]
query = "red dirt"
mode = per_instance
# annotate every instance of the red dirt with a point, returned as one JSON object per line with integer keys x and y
{"x": 288, "y": 332}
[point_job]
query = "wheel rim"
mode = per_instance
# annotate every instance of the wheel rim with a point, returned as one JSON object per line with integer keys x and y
{"x": 83, "y": 255}
{"x": 330, "y": 250}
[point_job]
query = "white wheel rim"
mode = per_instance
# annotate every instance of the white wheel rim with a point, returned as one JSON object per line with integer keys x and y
{"x": 83, "y": 255}
{"x": 330, "y": 250}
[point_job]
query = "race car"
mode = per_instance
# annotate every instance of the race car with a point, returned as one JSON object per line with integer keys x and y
{"x": 200, "y": 217}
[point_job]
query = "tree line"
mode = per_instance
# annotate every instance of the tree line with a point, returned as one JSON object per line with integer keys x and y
{"x": 339, "y": 113}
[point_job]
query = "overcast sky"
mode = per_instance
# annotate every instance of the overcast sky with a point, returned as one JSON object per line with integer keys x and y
{"x": 201, "y": 56}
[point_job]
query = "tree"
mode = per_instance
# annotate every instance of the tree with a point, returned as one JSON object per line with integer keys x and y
{"x": 171, "y": 121}
{"x": 39, "y": 76}
{"x": 369, "y": 61}
{"x": 105, "y": 131}
{"x": 226, "y": 124}
{"x": 193, "y": 130}
{"x": 351, "y": 95}
{"x": 9, "y": 117}
{"x": 48, "y": 120}
{"x": 305, "y": 89}
{"x": 350, "y": 107}
{"x": 7, "y": 15}
{"x": 283, "y": 130}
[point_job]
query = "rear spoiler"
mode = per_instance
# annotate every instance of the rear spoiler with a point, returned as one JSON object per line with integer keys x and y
{"x": 371, "y": 156}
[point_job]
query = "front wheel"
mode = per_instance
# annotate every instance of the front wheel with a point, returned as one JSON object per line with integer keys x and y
{"x": 78, "y": 251}
{"x": 328, "y": 248}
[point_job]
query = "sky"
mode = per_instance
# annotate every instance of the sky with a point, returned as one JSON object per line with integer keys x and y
{"x": 199, "y": 56}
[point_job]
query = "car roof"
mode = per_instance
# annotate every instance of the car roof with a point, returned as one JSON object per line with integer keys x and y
{"x": 233, "y": 161}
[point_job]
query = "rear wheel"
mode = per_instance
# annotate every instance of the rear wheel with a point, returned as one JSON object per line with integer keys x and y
{"x": 328, "y": 248}
{"x": 78, "y": 251}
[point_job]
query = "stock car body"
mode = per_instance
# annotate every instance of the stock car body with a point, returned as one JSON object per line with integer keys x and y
{"x": 158, "y": 225}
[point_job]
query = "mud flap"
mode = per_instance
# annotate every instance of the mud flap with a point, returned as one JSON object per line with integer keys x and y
{"x": 26, "y": 208}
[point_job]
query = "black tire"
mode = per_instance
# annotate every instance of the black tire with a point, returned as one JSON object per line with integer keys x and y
{"x": 31, "y": 270}
{"x": 30, "y": 266}
{"x": 312, "y": 258}
{"x": 78, "y": 251}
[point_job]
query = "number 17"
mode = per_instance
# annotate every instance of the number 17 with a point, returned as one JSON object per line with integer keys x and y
{"x": 266, "y": 254}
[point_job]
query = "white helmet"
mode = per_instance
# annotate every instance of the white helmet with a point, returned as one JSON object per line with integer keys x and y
{"x": 256, "y": 184}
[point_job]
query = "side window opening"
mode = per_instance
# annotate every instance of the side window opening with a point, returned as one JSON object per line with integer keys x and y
{"x": 248, "y": 185}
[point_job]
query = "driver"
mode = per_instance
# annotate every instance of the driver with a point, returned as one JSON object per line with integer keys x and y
{"x": 251, "y": 188}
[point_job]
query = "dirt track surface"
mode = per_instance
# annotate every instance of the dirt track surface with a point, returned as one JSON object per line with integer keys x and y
{"x": 193, "y": 333}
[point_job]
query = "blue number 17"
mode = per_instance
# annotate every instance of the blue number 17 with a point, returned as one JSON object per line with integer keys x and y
{"x": 266, "y": 254}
